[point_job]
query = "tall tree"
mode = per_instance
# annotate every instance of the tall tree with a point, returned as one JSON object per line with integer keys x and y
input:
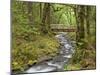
{"x": 40, "y": 11}
{"x": 88, "y": 16}
{"x": 79, "y": 12}
{"x": 30, "y": 13}
{"x": 46, "y": 18}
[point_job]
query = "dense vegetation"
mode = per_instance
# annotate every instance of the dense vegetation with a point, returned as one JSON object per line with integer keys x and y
{"x": 85, "y": 54}
{"x": 29, "y": 44}
{"x": 33, "y": 39}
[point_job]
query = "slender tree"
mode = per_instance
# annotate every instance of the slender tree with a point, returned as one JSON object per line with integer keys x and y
{"x": 30, "y": 13}
{"x": 88, "y": 19}
{"x": 46, "y": 18}
{"x": 40, "y": 11}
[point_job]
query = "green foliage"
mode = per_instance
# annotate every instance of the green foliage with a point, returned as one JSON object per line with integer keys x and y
{"x": 72, "y": 35}
{"x": 84, "y": 56}
{"x": 29, "y": 52}
{"x": 72, "y": 67}
{"x": 61, "y": 16}
{"x": 82, "y": 59}
{"x": 30, "y": 46}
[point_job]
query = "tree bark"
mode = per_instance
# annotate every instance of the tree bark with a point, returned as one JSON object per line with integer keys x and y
{"x": 40, "y": 11}
{"x": 30, "y": 13}
{"x": 88, "y": 19}
{"x": 45, "y": 18}
{"x": 79, "y": 12}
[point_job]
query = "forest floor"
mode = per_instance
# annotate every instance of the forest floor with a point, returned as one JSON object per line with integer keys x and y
{"x": 26, "y": 53}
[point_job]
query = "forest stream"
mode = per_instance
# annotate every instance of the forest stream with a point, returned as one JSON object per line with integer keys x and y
{"x": 52, "y": 37}
{"x": 58, "y": 62}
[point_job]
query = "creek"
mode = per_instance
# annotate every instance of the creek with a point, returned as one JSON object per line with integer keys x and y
{"x": 58, "y": 62}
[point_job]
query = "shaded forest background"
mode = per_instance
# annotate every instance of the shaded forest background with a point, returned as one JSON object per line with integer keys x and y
{"x": 33, "y": 39}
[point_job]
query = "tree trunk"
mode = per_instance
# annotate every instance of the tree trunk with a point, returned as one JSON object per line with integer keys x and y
{"x": 45, "y": 18}
{"x": 40, "y": 11}
{"x": 79, "y": 12}
{"x": 88, "y": 19}
{"x": 48, "y": 18}
{"x": 30, "y": 13}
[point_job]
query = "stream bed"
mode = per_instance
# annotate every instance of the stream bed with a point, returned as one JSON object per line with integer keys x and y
{"x": 58, "y": 62}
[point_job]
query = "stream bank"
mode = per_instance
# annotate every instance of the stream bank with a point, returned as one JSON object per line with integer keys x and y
{"x": 58, "y": 62}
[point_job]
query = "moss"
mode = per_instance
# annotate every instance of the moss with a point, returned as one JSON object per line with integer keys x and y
{"x": 26, "y": 53}
{"x": 72, "y": 67}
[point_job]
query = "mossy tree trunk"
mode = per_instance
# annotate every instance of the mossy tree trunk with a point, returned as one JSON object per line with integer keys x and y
{"x": 45, "y": 24}
{"x": 80, "y": 16}
{"x": 88, "y": 20}
{"x": 30, "y": 13}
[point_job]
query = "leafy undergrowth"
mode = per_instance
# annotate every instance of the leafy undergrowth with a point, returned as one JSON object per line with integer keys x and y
{"x": 72, "y": 35}
{"x": 30, "y": 48}
{"x": 72, "y": 67}
{"x": 84, "y": 58}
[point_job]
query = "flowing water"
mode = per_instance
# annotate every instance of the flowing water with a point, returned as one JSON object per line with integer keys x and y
{"x": 57, "y": 63}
